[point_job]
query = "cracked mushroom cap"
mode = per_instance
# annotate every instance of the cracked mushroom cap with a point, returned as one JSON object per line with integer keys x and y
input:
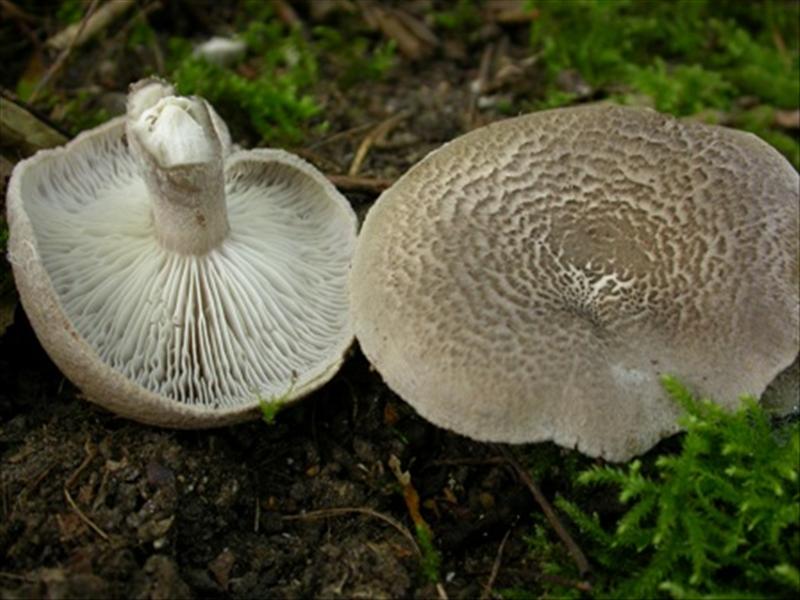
{"x": 533, "y": 279}
{"x": 174, "y": 282}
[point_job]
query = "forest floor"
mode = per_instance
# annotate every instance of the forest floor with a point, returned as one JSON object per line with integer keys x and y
{"x": 96, "y": 506}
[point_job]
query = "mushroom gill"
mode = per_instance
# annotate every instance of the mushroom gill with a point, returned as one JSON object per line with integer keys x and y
{"x": 177, "y": 282}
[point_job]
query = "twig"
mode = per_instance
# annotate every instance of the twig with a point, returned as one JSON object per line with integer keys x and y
{"x": 440, "y": 591}
{"x": 91, "y": 452}
{"x": 324, "y": 513}
{"x": 583, "y": 586}
{"x": 15, "y": 12}
{"x": 141, "y": 17}
{"x": 34, "y": 483}
{"x": 577, "y": 554}
{"x": 93, "y": 22}
{"x": 513, "y": 13}
{"x": 83, "y": 517}
{"x": 341, "y": 135}
{"x": 62, "y": 58}
{"x": 413, "y": 38}
{"x": 16, "y": 577}
{"x": 360, "y": 184}
{"x": 380, "y": 132}
{"x": 286, "y": 13}
{"x": 780, "y": 45}
{"x": 487, "y": 590}
{"x": 478, "y": 86}
{"x": 410, "y": 495}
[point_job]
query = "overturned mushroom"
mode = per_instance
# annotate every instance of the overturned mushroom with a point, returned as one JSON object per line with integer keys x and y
{"x": 533, "y": 279}
{"x": 177, "y": 282}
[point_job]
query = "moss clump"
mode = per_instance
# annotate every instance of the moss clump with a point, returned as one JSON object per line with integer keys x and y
{"x": 355, "y": 58}
{"x": 683, "y": 57}
{"x": 721, "y": 518}
{"x": 269, "y": 93}
{"x": 431, "y": 560}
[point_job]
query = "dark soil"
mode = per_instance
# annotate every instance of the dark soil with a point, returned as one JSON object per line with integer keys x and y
{"x": 95, "y": 506}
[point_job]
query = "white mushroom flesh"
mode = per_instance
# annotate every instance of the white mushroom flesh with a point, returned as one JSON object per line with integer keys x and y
{"x": 262, "y": 313}
{"x": 172, "y": 134}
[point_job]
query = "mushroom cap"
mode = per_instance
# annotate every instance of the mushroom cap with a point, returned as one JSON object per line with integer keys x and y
{"x": 533, "y": 279}
{"x": 174, "y": 339}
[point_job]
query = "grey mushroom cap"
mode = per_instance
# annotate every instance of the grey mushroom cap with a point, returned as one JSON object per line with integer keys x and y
{"x": 534, "y": 279}
{"x": 175, "y": 337}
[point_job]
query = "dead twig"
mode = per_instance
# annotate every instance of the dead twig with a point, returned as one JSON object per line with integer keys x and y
{"x": 33, "y": 484}
{"x": 787, "y": 119}
{"x": 325, "y": 513}
{"x": 583, "y": 586}
{"x": 479, "y": 85}
{"x": 140, "y": 16}
{"x": 26, "y": 22}
{"x": 286, "y": 13}
{"x": 379, "y": 133}
{"x": 91, "y": 452}
{"x": 410, "y": 495}
{"x": 16, "y": 577}
{"x": 371, "y": 185}
{"x": 324, "y": 162}
{"x": 92, "y": 525}
{"x": 487, "y": 589}
{"x": 440, "y": 591}
{"x": 341, "y": 135}
{"x": 572, "y": 547}
{"x": 67, "y": 50}
{"x": 780, "y": 45}
{"x": 413, "y": 38}
{"x": 511, "y": 12}
{"x": 92, "y": 23}
{"x": 13, "y": 11}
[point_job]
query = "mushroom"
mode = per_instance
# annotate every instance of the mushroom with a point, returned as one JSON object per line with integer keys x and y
{"x": 176, "y": 281}
{"x": 221, "y": 51}
{"x": 534, "y": 279}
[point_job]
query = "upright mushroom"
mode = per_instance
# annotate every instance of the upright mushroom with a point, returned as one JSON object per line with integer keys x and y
{"x": 532, "y": 279}
{"x": 175, "y": 281}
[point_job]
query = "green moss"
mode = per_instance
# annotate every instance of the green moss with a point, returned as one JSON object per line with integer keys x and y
{"x": 686, "y": 56}
{"x": 70, "y": 11}
{"x": 721, "y": 518}
{"x": 356, "y": 58}
{"x": 269, "y": 93}
{"x": 141, "y": 33}
{"x": 431, "y": 559}
{"x": 680, "y": 90}
{"x": 270, "y": 407}
{"x": 459, "y": 17}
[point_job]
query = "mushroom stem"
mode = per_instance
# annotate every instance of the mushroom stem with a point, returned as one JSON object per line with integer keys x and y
{"x": 189, "y": 213}
{"x": 182, "y": 163}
